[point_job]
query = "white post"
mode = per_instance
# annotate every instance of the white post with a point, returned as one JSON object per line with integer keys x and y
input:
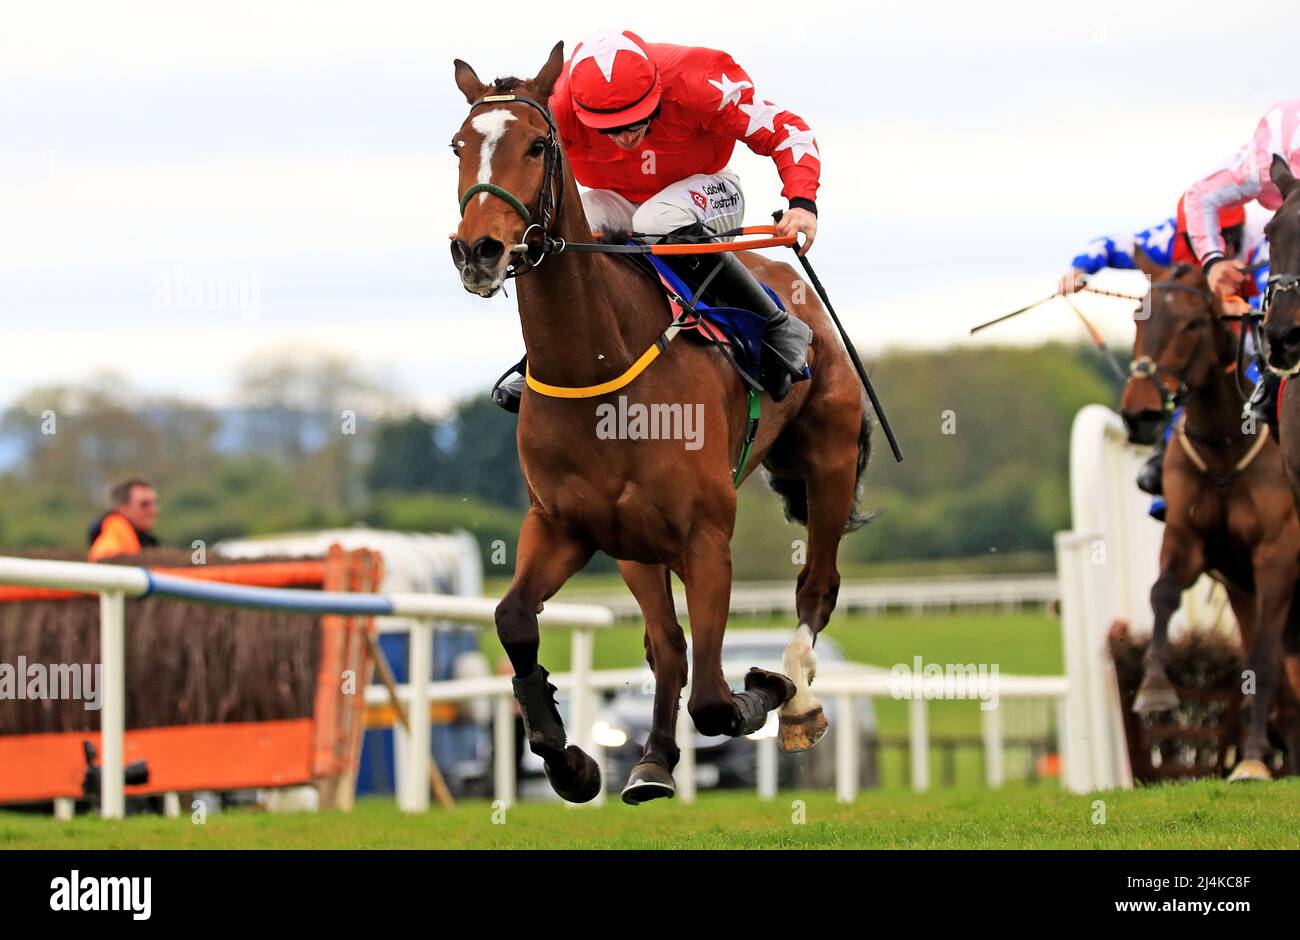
{"x": 994, "y": 771}
{"x": 413, "y": 796}
{"x": 172, "y": 804}
{"x": 64, "y": 808}
{"x": 112, "y": 717}
{"x": 503, "y": 749}
{"x": 580, "y": 664}
{"x": 846, "y": 750}
{"x": 920, "y": 741}
{"x": 684, "y": 775}
{"x": 1061, "y": 731}
{"x": 767, "y": 764}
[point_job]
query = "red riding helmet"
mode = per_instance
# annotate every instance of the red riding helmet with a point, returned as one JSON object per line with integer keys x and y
{"x": 1232, "y": 222}
{"x": 613, "y": 81}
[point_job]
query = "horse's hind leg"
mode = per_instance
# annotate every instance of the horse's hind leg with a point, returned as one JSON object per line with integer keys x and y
{"x": 547, "y": 558}
{"x": 831, "y": 481}
{"x": 665, "y": 651}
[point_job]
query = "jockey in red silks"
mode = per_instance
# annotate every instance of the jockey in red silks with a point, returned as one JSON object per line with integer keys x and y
{"x": 1240, "y": 179}
{"x": 649, "y": 128}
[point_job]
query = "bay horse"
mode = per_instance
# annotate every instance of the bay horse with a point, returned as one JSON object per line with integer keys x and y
{"x": 654, "y": 505}
{"x": 1282, "y": 310}
{"x": 1229, "y": 506}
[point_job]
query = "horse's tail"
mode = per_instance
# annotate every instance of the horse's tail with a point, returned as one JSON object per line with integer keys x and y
{"x": 794, "y": 493}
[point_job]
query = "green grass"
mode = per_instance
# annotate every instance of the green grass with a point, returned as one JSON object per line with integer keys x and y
{"x": 1206, "y": 814}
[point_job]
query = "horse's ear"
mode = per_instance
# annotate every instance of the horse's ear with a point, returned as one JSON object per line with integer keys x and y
{"x": 545, "y": 80}
{"x": 1147, "y": 265}
{"x": 468, "y": 82}
{"x": 1282, "y": 176}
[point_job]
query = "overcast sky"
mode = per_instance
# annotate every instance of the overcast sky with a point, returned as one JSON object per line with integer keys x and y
{"x": 297, "y": 150}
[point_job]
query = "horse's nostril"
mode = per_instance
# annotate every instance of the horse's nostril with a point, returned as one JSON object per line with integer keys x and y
{"x": 459, "y": 254}
{"x": 488, "y": 251}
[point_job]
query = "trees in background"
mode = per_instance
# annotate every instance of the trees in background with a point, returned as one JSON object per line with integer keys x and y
{"x": 314, "y": 443}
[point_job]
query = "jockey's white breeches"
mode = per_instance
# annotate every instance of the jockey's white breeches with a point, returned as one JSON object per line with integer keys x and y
{"x": 715, "y": 199}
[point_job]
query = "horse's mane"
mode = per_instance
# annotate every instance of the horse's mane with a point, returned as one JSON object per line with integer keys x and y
{"x": 507, "y": 84}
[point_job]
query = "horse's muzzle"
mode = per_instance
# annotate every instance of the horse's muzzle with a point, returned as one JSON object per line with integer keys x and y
{"x": 1143, "y": 427}
{"x": 481, "y": 265}
{"x": 1282, "y": 343}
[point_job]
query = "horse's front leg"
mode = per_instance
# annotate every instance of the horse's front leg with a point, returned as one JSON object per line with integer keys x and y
{"x": 1275, "y": 579}
{"x": 665, "y": 651}
{"x": 547, "y": 558}
{"x": 1181, "y": 563}
{"x": 714, "y": 708}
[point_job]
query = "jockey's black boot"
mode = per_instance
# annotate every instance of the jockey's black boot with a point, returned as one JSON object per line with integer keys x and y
{"x": 785, "y": 338}
{"x": 1263, "y": 400}
{"x": 509, "y": 390}
{"x": 1151, "y": 477}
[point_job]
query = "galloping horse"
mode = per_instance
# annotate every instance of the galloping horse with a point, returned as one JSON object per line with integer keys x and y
{"x": 1230, "y": 510}
{"x": 656, "y": 506}
{"x": 1282, "y": 309}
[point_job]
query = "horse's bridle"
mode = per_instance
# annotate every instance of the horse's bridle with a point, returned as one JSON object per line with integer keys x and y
{"x": 550, "y": 198}
{"x": 1278, "y": 284}
{"x": 1145, "y": 367}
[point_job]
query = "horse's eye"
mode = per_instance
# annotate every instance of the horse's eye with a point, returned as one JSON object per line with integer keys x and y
{"x": 538, "y": 147}
{"x": 456, "y": 147}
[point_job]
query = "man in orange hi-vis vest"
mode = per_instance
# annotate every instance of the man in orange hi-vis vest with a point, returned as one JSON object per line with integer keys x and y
{"x": 128, "y": 526}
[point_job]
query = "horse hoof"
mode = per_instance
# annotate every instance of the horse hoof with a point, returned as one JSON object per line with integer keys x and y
{"x": 1250, "y": 770}
{"x": 648, "y": 781}
{"x": 578, "y": 780}
{"x": 802, "y": 732}
{"x": 1155, "y": 697}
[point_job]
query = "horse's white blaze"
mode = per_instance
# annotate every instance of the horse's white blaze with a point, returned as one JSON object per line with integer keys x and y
{"x": 492, "y": 125}
{"x": 800, "y": 664}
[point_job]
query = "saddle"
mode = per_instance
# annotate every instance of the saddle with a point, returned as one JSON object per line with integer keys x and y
{"x": 737, "y": 329}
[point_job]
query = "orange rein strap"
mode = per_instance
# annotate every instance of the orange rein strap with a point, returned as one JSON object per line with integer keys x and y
{"x": 713, "y": 248}
{"x": 681, "y": 248}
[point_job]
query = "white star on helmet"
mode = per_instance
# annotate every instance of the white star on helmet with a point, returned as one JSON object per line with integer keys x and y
{"x": 603, "y": 48}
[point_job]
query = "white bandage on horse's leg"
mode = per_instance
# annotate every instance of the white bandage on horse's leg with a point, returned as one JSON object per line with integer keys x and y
{"x": 800, "y": 663}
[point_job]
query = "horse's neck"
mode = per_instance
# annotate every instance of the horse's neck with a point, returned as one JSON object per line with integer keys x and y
{"x": 586, "y": 317}
{"x": 1214, "y": 412}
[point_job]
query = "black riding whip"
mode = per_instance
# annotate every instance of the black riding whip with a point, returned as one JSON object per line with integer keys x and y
{"x": 1013, "y": 313}
{"x": 848, "y": 345}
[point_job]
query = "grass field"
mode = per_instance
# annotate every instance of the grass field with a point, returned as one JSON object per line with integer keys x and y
{"x": 1209, "y": 814}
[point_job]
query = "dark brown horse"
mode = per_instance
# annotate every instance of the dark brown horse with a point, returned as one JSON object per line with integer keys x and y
{"x": 1229, "y": 511}
{"x": 654, "y": 504}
